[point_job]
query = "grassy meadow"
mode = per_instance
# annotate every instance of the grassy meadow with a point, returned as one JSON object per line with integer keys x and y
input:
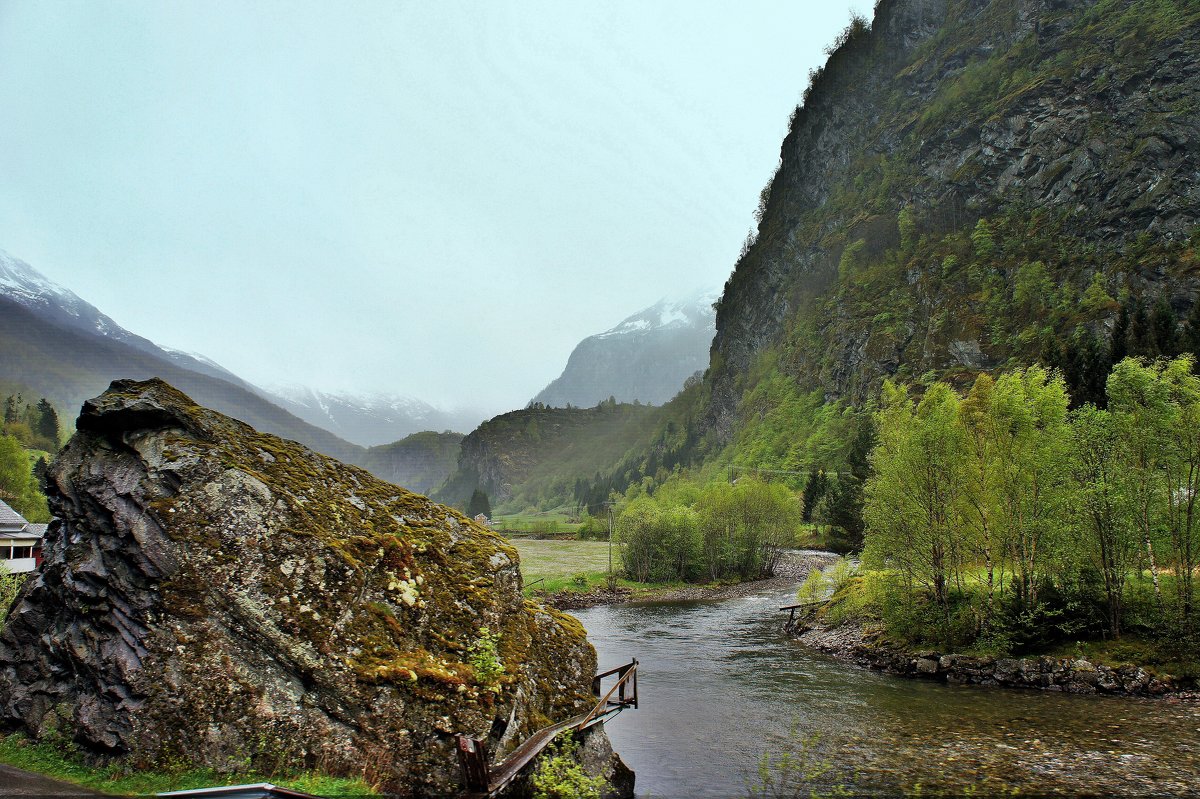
{"x": 565, "y": 565}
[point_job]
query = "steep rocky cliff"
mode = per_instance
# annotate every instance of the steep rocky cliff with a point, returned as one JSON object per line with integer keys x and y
{"x": 535, "y": 456}
{"x": 214, "y": 596}
{"x": 420, "y": 462}
{"x": 961, "y": 175}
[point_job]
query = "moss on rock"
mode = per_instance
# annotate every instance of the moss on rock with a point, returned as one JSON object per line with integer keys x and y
{"x": 213, "y": 596}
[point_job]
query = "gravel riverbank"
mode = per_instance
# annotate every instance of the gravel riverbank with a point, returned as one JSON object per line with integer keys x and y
{"x": 862, "y": 647}
{"x": 792, "y": 568}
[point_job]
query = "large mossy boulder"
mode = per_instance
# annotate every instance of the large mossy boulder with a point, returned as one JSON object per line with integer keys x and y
{"x": 215, "y": 596}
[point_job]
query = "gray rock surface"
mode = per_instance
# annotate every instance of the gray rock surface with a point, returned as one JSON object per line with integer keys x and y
{"x": 958, "y": 111}
{"x": 855, "y": 644}
{"x": 217, "y": 597}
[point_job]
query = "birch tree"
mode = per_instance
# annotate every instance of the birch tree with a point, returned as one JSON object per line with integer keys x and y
{"x": 1103, "y": 512}
{"x": 914, "y": 499}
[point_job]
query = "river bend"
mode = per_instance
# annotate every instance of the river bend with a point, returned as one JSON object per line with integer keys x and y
{"x": 721, "y": 684}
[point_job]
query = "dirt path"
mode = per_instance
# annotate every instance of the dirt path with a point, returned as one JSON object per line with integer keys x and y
{"x": 15, "y": 782}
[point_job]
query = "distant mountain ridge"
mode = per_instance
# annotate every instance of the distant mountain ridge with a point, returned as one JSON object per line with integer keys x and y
{"x": 29, "y": 288}
{"x": 68, "y": 365}
{"x": 369, "y": 419}
{"x": 647, "y": 357}
{"x": 55, "y": 344}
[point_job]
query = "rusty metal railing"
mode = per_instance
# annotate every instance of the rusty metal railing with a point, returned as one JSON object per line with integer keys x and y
{"x": 484, "y": 780}
{"x": 626, "y": 678}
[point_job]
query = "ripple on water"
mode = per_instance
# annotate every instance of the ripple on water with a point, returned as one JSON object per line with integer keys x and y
{"x": 721, "y": 685}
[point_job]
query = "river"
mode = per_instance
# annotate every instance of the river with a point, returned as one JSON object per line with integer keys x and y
{"x": 720, "y": 685}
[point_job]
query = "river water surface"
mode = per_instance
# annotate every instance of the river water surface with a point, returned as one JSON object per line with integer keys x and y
{"x": 721, "y": 685}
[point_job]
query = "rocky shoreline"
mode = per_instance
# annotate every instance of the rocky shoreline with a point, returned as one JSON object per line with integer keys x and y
{"x": 863, "y": 647}
{"x": 792, "y": 568}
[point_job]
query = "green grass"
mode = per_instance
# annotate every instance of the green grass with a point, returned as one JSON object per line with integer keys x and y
{"x": 60, "y": 763}
{"x": 548, "y": 522}
{"x": 569, "y": 565}
{"x": 561, "y": 560}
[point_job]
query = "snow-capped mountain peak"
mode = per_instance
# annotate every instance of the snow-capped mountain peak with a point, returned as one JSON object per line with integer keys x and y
{"x": 372, "y": 418}
{"x": 25, "y": 285}
{"x": 646, "y": 357}
{"x": 380, "y": 404}
{"x": 692, "y": 311}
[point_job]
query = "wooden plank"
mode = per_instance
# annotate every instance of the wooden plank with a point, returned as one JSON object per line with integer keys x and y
{"x": 524, "y": 754}
{"x": 483, "y": 781}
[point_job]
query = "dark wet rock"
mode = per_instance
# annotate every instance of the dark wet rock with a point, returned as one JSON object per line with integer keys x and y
{"x": 217, "y": 597}
{"x": 865, "y": 648}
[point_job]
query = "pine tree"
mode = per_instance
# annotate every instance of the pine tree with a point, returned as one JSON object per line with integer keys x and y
{"x": 47, "y": 421}
{"x": 479, "y": 504}
{"x": 846, "y": 515}
{"x": 845, "y": 495}
{"x": 1141, "y": 335}
{"x": 1189, "y": 339}
{"x": 1118, "y": 346}
{"x": 12, "y": 410}
{"x": 1086, "y": 369}
{"x": 1051, "y": 356}
{"x": 814, "y": 491}
{"x": 859, "y": 456}
{"x": 1163, "y": 327}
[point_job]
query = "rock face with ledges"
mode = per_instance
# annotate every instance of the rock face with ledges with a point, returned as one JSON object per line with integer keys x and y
{"x": 1078, "y": 116}
{"x": 214, "y": 596}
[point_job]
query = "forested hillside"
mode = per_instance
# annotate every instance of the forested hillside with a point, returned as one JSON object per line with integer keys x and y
{"x": 535, "y": 457}
{"x": 420, "y": 462}
{"x": 968, "y": 186}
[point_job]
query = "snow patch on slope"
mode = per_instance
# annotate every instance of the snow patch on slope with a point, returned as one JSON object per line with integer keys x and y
{"x": 695, "y": 310}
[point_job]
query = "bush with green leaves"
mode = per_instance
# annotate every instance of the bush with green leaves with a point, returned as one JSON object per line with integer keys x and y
{"x": 484, "y": 658}
{"x": 823, "y": 583}
{"x": 18, "y": 486}
{"x": 559, "y": 774}
{"x": 716, "y": 531}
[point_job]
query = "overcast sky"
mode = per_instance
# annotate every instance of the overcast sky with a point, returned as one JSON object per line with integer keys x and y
{"x": 437, "y": 199}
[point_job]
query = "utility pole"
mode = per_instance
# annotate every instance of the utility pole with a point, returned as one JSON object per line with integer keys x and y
{"x": 611, "y": 582}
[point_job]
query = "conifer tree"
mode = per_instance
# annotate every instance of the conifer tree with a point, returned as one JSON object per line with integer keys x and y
{"x": 478, "y": 504}
{"x": 1189, "y": 339}
{"x": 1141, "y": 335}
{"x": 1085, "y": 369}
{"x": 814, "y": 491}
{"x": 12, "y": 409}
{"x": 47, "y": 421}
{"x": 1118, "y": 346}
{"x": 1163, "y": 327}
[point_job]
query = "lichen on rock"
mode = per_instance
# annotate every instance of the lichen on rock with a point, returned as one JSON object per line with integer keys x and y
{"x": 215, "y": 596}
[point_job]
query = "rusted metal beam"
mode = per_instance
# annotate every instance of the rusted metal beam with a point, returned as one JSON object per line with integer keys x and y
{"x": 483, "y": 780}
{"x": 626, "y": 673}
{"x": 472, "y": 757}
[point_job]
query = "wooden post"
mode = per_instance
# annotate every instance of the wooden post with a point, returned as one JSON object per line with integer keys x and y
{"x": 472, "y": 757}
